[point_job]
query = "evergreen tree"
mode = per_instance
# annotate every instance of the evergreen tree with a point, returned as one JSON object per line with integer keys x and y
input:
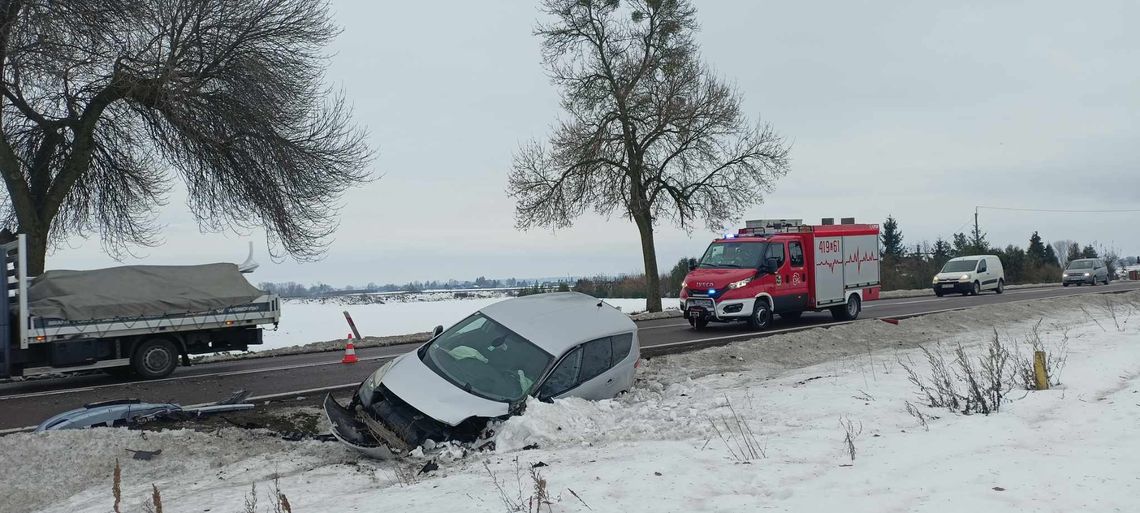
{"x": 892, "y": 240}
{"x": 1051, "y": 256}
{"x": 962, "y": 245}
{"x": 1074, "y": 253}
{"x": 1036, "y": 251}
{"x": 1089, "y": 252}
{"x": 941, "y": 251}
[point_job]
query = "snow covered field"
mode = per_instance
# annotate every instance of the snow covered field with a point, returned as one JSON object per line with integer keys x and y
{"x": 675, "y": 442}
{"x": 303, "y": 322}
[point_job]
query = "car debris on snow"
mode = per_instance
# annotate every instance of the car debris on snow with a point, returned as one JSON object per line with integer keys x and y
{"x": 134, "y": 412}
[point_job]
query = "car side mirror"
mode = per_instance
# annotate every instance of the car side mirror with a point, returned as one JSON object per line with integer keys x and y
{"x": 437, "y": 331}
{"x": 692, "y": 264}
{"x": 771, "y": 265}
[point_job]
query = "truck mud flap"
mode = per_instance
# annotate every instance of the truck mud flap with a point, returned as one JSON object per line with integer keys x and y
{"x": 349, "y": 430}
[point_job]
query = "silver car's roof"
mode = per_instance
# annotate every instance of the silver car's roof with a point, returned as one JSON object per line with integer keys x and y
{"x": 558, "y": 321}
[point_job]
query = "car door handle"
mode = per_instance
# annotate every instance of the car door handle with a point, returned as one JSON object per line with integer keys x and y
{"x": 611, "y": 380}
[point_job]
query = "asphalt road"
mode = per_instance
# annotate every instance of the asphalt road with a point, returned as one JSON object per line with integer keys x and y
{"x": 27, "y": 403}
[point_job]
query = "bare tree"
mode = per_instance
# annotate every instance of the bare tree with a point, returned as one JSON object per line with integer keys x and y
{"x": 105, "y": 101}
{"x": 1061, "y": 248}
{"x": 650, "y": 132}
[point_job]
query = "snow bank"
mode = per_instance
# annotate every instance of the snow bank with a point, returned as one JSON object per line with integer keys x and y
{"x": 656, "y": 449}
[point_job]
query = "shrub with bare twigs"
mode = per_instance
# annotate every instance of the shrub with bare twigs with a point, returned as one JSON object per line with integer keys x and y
{"x": 965, "y": 385}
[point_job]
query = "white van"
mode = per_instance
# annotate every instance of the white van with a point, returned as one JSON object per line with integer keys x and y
{"x": 970, "y": 275}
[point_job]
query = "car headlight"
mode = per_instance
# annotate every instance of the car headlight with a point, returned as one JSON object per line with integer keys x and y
{"x": 965, "y": 277}
{"x": 935, "y": 279}
{"x": 1086, "y": 275}
{"x": 373, "y": 381}
{"x": 738, "y": 284}
{"x": 684, "y": 284}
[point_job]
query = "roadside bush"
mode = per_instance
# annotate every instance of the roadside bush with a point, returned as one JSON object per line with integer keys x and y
{"x": 965, "y": 385}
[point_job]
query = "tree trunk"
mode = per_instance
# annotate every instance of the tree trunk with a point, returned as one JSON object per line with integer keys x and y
{"x": 36, "y": 249}
{"x": 649, "y": 253}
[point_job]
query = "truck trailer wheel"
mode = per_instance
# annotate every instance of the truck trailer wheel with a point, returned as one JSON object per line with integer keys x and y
{"x": 761, "y": 315}
{"x": 155, "y": 358}
{"x": 848, "y": 312}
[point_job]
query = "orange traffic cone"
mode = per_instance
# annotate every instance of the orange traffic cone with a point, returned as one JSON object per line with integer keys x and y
{"x": 349, "y": 351}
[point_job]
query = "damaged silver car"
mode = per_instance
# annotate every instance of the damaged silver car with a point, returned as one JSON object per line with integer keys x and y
{"x": 484, "y": 368}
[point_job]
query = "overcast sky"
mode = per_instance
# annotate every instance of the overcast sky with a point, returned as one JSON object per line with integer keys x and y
{"x": 914, "y": 109}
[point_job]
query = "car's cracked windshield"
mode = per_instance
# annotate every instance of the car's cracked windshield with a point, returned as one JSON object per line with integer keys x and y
{"x": 733, "y": 255}
{"x": 484, "y": 358}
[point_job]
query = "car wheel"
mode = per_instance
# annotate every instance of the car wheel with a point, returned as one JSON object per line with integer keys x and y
{"x": 1001, "y": 287}
{"x": 977, "y": 289}
{"x": 1064, "y": 284}
{"x": 155, "y": 358}
{"x": 848, "y": 312}
{"x": 938, "y": 293}
{"x": 791, "y": 316}
{"x": 698, "y": 324}
{"x": 761, "y": 315}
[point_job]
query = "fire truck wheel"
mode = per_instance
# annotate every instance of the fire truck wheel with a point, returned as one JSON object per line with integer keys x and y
{"x": 761, "y": 316}
{"x": 155, "y": 358}
{"x": 848, "y": 312}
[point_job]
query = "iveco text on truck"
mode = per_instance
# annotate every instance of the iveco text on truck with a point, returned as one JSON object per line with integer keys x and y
{"x": 784, "y": 267}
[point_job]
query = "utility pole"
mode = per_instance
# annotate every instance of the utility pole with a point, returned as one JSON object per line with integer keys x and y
{"x": 976, "y": 229}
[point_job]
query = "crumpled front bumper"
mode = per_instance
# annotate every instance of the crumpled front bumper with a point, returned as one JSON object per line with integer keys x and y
{"x": 356, "y": 429}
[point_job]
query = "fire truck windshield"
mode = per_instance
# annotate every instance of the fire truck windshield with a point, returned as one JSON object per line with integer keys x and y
{"x": 733, "y": 255}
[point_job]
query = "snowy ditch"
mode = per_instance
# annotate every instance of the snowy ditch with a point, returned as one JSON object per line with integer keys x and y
{"x": 754, "y": 425}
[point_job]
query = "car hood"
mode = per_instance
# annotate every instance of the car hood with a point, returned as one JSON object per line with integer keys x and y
{"x": 699, "y": 279}
{"x": 419, "y": 386}
{"x": 952, "y": 276}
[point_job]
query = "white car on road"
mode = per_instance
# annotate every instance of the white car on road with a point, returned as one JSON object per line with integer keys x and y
{"x": 970, "y": 275}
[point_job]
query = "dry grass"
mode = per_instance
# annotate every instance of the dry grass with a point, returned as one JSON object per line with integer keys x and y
{"x": 519, "y": 500}
{"x": 405, "y": 474}
{"x": 851, "y": 433}
{"x": 153, "y": 504}
{"x": 117, "y": 486}
{"x": 737, "y": 436}
{"x": 963, "y": 384}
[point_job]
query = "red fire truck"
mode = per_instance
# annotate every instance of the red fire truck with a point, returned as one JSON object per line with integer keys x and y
{"x": 784, "y": 267}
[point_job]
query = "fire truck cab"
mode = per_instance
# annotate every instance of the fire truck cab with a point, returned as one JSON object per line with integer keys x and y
{"x": 784, "y": 267}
